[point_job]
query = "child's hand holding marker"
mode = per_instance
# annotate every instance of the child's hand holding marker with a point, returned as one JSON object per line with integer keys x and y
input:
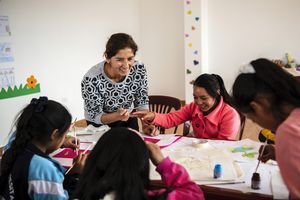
{"x": 79, "y": 161}
{"x": 71, "y": 142}
{"x": 268, "y": 153}
{"x": 78, "y": 164}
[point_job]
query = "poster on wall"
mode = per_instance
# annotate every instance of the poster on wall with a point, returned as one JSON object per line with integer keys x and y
{"x": 4, "y": 26}
{"x": 31, "y": 87}
{"x": 7, "y": 77}
{"x": 6, "y": 53}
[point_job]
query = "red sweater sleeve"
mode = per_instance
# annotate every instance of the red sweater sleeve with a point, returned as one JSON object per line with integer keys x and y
{"x": 175, "y": 177}
{"x": 174, "y": 118}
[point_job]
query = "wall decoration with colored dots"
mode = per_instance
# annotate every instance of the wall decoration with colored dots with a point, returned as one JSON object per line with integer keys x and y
{"x": 192, "y": 41}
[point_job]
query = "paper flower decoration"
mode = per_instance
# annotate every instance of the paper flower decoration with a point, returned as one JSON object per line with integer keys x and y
{"x": 31, "y": 82}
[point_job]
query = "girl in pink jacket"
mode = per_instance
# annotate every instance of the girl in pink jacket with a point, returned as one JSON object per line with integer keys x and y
{"x": 118, "y": 168}
{"x": 211, "y": 114}
{"x": 270, "y": 96}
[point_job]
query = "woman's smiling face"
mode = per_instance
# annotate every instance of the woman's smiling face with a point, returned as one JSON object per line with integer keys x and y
{"x": 203, "y": 99}
{"x": 122, "y": 62}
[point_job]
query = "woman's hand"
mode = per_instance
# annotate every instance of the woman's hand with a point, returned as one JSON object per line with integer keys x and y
{"x": 123, "y": 114}
{"x": 269, "y": 153}
{"x": 71, "y": 142}
{"x": 146, "y": 116}
{"x": 78, "y": 162}
{"x": 156, "y": 155}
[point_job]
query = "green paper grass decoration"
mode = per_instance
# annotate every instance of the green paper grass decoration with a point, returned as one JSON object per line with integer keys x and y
{"x": 15, "y": 92}
{"x": 30, "y": 88}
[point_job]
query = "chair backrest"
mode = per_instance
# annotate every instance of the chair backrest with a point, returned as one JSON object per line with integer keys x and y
{"x": 1, "y": 151}
{"x": 163, "y": 104}
{"x": 242, "y": 126}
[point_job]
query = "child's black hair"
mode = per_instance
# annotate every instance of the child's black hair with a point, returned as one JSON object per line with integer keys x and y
{"x": 119, "y": 163}
{"x": 269, "y": 81}
{"x": 36, "y": 121}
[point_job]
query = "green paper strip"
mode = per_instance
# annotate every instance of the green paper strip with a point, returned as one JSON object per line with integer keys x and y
{"x": 15, "y": 92}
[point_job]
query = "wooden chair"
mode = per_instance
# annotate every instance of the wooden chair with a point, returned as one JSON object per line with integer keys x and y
{"x": 242, "y": 126}
{"x": 1, "y": 151}
{"x": 163, "y": 104}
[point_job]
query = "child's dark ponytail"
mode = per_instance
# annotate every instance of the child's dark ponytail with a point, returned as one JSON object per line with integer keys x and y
{"x": 226, "y": 97}
{"x": 36, "y": 121}
{"x": 17, "y": 146}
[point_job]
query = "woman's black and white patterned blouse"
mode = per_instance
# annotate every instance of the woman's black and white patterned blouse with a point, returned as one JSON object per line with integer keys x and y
{"x": 101, "y": 95}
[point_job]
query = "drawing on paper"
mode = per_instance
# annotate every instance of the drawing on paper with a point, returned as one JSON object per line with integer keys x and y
{"x": 7, "y": 77}
{"x": 5, "y": 52}
{"x": 192, "y": 163}
{"x": 4, "y": 26}
{"x": 245, "y": 150}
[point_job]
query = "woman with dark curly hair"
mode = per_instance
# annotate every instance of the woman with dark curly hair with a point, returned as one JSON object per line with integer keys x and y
{"x": 114, "y": 87}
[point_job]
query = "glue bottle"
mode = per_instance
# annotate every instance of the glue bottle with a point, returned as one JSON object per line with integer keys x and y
{"x": 217, "y": 171}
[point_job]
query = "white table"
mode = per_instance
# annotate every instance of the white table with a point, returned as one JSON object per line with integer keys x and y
{"x": 269, "y": 173}
{"x": 184, "y": 148}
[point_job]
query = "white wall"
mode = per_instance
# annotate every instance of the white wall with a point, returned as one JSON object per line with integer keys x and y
{"x": 59, "y": 40}
{"x": 162, "y": 46}
{"x": 242, "y": 30}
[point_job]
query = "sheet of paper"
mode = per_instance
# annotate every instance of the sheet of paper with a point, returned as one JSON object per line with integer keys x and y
{"x": 69, "y": 153}
{"x": 6, "y": 52}
{"x": 279, "y": 189}
{"x": 85, "y": 147}
{"x": 151, "y": 139}
{"x": 201, "y": 167}
{"x": 200, "y": 162}
{"x": 7, "y": 77}
{"x": 242, "y": 151}
{"x": 90, "y": 129}
{"x": 4, "y": 26}
{"x": 167, "y": 140}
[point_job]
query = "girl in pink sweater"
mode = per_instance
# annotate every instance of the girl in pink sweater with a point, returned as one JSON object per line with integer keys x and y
{"x": 211, "y": 114}
{"x": 118, "y": 168}
{"x": 270, "y": 96}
